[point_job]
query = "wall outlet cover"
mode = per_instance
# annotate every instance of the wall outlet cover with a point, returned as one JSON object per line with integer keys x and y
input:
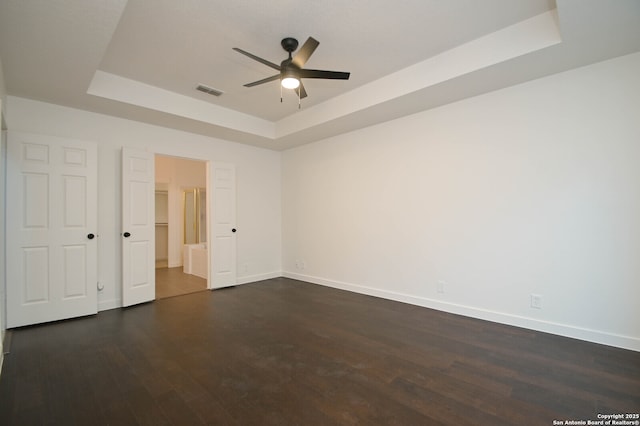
{"x": 536, "y": 301}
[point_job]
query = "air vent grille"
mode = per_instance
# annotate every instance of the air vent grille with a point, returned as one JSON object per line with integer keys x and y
{"x": 209, "y": 90}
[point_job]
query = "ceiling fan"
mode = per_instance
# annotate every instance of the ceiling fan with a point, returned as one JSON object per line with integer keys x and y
{"x": 291, "y": 71}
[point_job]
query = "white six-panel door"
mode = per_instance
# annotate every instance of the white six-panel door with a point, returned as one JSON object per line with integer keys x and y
{"x": 138, "y": 227}
{"x": 222, "y": 211}
{"x": 51, "y": 229}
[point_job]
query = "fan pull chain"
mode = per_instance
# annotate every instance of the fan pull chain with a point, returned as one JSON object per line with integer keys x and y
{"x": 280, "y": 93}
{"x": 299, "y": 91}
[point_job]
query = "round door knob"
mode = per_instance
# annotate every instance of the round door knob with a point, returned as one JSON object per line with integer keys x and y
{"x": 233, "y": 230}
{"x": 126, "y": 235}
{"x": 91, "y": 236}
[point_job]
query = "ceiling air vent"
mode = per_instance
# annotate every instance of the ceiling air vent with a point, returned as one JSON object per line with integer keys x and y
{"x": 209, "y": 90}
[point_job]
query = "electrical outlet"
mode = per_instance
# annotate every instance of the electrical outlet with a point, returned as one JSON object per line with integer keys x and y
{"x": 440, "y": 286}
{"x": 536, "y": 301}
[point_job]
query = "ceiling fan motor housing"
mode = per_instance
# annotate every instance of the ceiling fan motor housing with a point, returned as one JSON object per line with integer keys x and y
{"x": 289, "y": 44}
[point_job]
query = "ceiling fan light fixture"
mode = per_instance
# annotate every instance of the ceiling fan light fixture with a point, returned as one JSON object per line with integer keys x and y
{"x": 290, "y": 82}
{"x": 291, "y": 70}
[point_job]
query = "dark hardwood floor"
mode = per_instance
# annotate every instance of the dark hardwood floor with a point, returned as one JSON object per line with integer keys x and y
{"x": 172, "y": 282}
{"x": 286, "y": 352}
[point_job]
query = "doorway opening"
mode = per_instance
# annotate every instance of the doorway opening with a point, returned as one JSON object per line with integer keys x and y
{"x": 181, "y": 226}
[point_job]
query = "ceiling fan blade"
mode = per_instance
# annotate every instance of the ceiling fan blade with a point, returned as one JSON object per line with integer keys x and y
{"x": 257, "y": 58}
{"x": 301, "y": 92}
{"x": 264, "y": 80}
{"x": 333, "y": 75}
{"x": 305, "y": 52}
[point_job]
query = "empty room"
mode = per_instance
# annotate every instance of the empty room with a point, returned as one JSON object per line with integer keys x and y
{"x": 312, "y": 213}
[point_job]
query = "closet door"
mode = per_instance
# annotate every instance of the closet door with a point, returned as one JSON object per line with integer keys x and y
{"x": 51, "y": 231}
{"x": 222, "y": 205}
{"x": 138, "y": 227}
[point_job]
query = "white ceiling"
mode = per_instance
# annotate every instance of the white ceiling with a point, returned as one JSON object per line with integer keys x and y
{"x": 141, "y": 59}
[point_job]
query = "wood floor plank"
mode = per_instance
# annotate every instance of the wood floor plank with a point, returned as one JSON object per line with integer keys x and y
{"x": 211, "y": 411}
{"x": 146, "y": 409}
{"x": 283, "y": 351}
{"x": 177, "y": 411}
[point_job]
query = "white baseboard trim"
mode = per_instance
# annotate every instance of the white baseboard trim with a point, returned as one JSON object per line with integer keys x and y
{"x": 259, "y": 277}
{"x": 589, "y": 335}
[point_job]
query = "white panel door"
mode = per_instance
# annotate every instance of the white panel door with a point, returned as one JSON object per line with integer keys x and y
{"x": 222, "y": 208}
{"x": 138, "y": 227}
{"x": 51, "y": 222}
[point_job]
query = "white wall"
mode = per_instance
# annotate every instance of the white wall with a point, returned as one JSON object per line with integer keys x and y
{"x": 530, "y": 189}
{"x": 258, "y": 183}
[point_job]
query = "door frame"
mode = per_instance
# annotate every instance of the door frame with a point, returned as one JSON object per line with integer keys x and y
{"x": 209, "y": 191}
